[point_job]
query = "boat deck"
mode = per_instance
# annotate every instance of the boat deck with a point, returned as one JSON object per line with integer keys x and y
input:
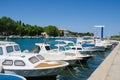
{"x": 48, "y": 64}
{"x": 109, "y": 68}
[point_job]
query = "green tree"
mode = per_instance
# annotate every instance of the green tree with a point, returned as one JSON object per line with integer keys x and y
{"x": 52, "y": 30}
{"x": 7, "y": 25}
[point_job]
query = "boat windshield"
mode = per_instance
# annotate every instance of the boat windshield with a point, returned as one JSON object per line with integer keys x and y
{"x": 88, "y": 45}
{"x": 40, "y": 57}
{"x": 17, "y": 48}
{"x": 19, "y": 63}
{"x": 67, "y": 48}
{"x": 9, "y": 49}
{"x": 1, "y": 51}
{"x": 33, "y": 59}
{"x": 61, "y": 48}
{"x": 11, "y": 62}
{"x": 36, "y": 49}
{"x": 8, "y": 62}
{"x": 70, "y": 44}
{"x": 47, "y": 47}
{"x": 79, "y": 48}
{"x": 73, "y": 48}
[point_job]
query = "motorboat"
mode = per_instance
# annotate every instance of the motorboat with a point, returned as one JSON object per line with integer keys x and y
{"x": 31, "y": 65}
{"x": 28, "y": 65}
{"x": 69, "y": 47}
{"x": 61, "y": 52}
{"x": 89, "y": 44}
{"x": 73, "y": 53}
{"x": 75, "y": 48}
{"x": 53, "y": 54}
{"x": 107, "y": 44}
{"x": 69, "y": 43}
{"x": 72, "y": 45}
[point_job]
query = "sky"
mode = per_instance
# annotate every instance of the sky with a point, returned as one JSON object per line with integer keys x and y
{"x": 74, "y": 15}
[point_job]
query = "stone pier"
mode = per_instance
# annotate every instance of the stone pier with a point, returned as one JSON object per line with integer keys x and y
{"x": 109, "y": 69}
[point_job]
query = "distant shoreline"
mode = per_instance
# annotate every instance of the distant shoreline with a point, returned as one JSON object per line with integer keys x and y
{"x": 24, "y": 37}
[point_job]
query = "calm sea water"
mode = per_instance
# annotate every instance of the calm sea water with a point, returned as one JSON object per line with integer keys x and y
{"x": 80, "y": 71}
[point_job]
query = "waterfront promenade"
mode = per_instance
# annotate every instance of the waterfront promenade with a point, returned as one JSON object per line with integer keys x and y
{"x": 109, "y": 68}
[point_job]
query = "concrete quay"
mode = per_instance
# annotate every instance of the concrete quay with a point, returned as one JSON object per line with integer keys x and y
{"x": 109, "y": 69}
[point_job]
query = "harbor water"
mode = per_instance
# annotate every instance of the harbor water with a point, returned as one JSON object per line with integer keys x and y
{"x": 78, "y": 72}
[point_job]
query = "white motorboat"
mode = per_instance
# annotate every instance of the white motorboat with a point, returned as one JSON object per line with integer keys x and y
{"x": 77, "y": 46}
{"x": 53, "y": 54}
{"x": 105, "y": 43}
{"x": 72, "y": 53}
{"x": 27, "y": 65}
{"x": 89, "y": 44}
{"x": 71, "y": 47}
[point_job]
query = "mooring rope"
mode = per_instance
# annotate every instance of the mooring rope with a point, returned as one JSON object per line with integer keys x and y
{"x": 72, "y": 73}
{"x": 81, "y": 64}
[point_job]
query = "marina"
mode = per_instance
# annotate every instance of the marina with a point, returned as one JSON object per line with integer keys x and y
{"x": 78, "y": 72}
{"x": 59, "y": 40}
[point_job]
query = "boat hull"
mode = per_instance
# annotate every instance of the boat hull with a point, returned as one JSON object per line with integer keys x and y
{"x": 35, "y": 72}
{"x": 96, "y": 48}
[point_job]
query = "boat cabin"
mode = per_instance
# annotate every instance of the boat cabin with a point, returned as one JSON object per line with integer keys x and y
{"x": 9, "y": 47}
{"x": 41, "y": 47}
{"x": 21, "y": 61}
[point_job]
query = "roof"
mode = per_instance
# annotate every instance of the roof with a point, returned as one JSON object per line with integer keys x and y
{"x": 6, "y": 42}
{"x": 62, "y": 29}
